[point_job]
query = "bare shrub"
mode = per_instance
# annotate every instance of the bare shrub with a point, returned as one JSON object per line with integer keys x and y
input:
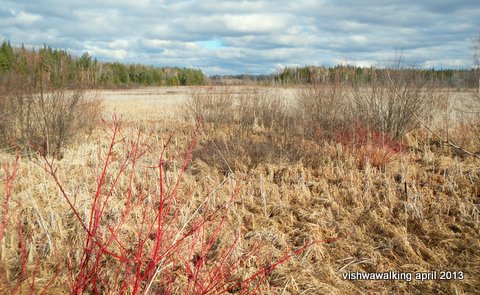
{"x": 392, "y": 99}
{"x": 48, "y": 122}
{"x": 39, "y": 111}
{"x": 476, "y": 96}
{"x": 322, "y": 109}
{"x": 245, "y": 110}
{"x": 212, "y": 105}
{"x": 262, "y": 110}
{"x": 249, "y": 126}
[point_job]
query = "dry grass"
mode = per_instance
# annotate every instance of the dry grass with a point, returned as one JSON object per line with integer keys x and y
{"x": 420, "y": 212}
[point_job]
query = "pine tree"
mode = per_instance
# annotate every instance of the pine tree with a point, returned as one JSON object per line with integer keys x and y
{"x": 6, "y": 57}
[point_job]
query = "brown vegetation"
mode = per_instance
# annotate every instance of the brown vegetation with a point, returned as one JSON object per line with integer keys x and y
{"x": 281, "y": 194}
{"x": 41, "y": 110}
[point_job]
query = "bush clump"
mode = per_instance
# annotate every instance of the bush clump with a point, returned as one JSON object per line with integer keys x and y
{"x": 41, "y": 108}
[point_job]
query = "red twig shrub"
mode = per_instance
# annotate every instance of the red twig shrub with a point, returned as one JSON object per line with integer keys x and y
{"x": 153, "y": 240}
{"x": 25, "y": 273}
{"x": 368, "y": 146}
{"x": 138, "y": 232}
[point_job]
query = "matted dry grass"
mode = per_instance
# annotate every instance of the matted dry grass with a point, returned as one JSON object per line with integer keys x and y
{"x": 420, "y": 213}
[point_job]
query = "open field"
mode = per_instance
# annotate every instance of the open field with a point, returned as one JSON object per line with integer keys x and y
{"x": 251, "y": 193}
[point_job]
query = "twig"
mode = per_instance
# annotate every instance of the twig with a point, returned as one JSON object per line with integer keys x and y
{"x": 159, "y": 268}
{"x": 218, "y": 150}
{"x": 450, "y": 143}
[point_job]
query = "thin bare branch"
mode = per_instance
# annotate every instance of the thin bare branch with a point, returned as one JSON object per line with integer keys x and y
{"x": 421, "y": 122}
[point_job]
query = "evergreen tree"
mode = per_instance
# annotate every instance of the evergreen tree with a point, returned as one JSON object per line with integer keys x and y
{"x": 6, "y": 57}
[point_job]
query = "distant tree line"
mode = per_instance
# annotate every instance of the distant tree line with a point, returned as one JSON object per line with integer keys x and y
{"x": 43, "y": 106}
{"x": 463, "y": 78}
{"x": 61, "y": 66}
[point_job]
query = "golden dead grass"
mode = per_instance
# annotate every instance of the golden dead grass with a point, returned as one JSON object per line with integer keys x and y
{"x": 422, "y": 213}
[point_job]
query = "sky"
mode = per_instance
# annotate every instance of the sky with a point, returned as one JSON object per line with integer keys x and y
{"x": 254, "y": 37}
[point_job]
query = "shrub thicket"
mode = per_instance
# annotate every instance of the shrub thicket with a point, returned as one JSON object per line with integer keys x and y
{"x": 41, "y": 107}
{"x": 243, "y": 126}
{"x": 368, "y": 119}
{"x": 322, "y": 110}
{"x": 391, "y": 101}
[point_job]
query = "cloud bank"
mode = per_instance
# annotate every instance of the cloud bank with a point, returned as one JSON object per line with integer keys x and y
{"x": 258, "y": 37}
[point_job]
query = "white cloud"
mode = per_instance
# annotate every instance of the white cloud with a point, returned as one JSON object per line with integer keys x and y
{"x": 241, "y": 36}
{"x": 254, "y": 23}
{"x": 444, "y": 63}
{"x": 359, "y": 39}
{"x": 26, "y": 18}
{"x": 110, "y": 54}
{"x": 119, "y": 43}
{"x": 172, "y": 44}
{"x": 131, "y": 3}
{"x": 12, "y": 17}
